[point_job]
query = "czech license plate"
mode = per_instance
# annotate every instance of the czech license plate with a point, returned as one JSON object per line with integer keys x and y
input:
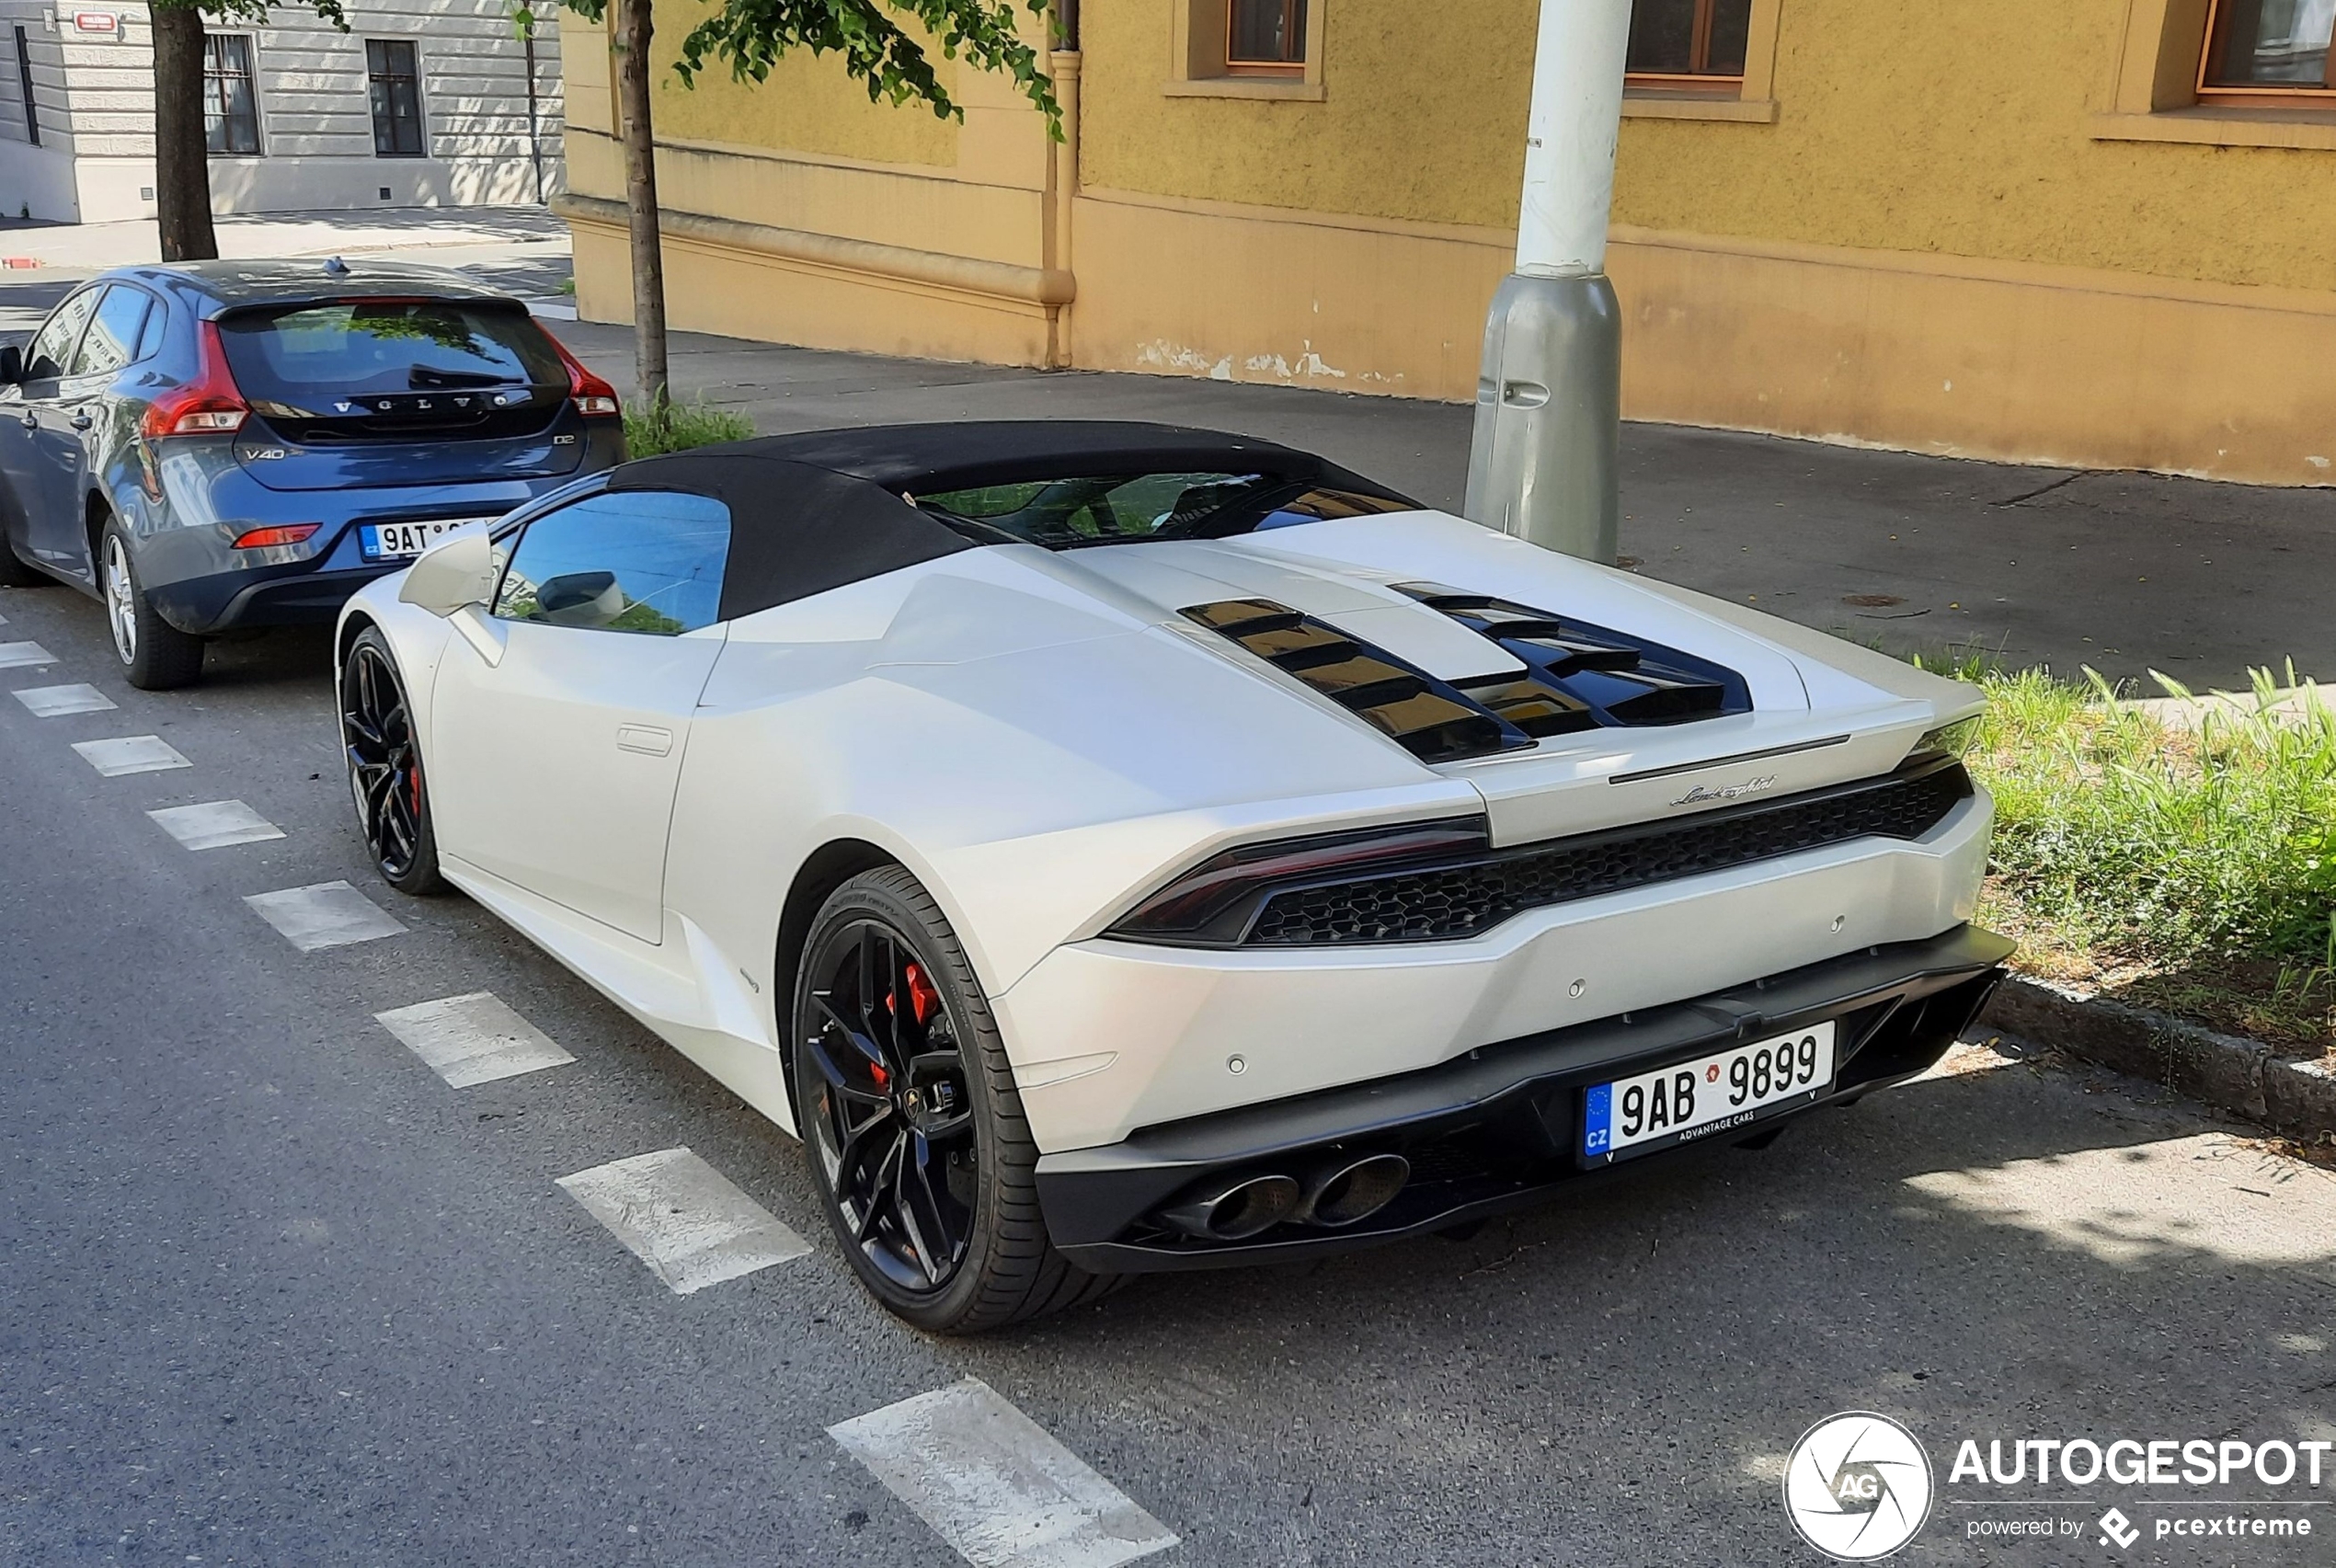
{"x": 1712, "y": 1093}
{"x": 403, "y": 540}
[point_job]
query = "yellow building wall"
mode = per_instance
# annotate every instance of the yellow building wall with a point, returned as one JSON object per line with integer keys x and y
{"x": 1965, "y": 130}
{"x": 1932, "y": 246}
{"x": 1422, "y": 120}
{"x": 1959, "y": 129}
{"x": 806, "y": 105}
{"x": 836, "y": 222}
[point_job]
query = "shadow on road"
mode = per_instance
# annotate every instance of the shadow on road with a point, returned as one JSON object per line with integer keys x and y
{"x": 2005, "y": 1253}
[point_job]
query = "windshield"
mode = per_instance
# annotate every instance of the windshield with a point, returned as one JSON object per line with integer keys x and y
{"x": 309, "y": 357}
{"x": 1125, "y": 508}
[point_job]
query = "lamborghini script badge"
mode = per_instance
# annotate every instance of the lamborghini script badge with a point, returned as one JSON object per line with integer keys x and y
{"x": 1700, "y": 795}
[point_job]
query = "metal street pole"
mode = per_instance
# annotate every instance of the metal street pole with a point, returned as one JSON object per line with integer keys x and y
{"x": 1542, "y": 463}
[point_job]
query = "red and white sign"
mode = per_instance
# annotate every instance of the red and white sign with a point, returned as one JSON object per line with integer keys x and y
{"x": 105, "y": 23}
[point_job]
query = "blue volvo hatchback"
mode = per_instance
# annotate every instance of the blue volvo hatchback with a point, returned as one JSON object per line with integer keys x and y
{"x": 218, "y": 445}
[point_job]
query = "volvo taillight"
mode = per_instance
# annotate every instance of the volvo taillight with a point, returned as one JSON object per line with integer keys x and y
{"x": 593, "y": 397}
{"x": 208, "y": 405}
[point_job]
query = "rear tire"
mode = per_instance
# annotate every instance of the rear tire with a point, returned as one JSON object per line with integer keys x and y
{"x": 14, "y": 573}
{"x": 385, "y": 763}
{"x": 901, "y": 1061}
{"x": 155, "y": 655}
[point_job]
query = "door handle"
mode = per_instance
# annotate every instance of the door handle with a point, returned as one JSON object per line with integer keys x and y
{"x": 646, "y": 739}
{"x": 81, "y": 420}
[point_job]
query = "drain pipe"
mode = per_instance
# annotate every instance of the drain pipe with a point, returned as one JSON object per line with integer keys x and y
{"x": 1544, "y": 457}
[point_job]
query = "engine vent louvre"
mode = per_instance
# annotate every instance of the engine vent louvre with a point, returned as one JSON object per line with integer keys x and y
{"x": 1434, "y": 721}
{"x": 1598, "y": 676}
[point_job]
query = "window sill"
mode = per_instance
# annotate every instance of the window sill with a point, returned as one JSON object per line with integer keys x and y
{"x": 1289, "y": 89}
{"x": 2222, "y": 126}
{"x": 1638, "y": 104}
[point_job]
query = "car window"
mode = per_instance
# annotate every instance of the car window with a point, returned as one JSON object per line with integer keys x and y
{"x": 150, "y": 340}
{"x": 111, "y": 341}
{"x": 52, "y": 344}
{"x": 1120, "y": 509}
{"x": 634, "y": 561}
{"x": 309, "y": 356}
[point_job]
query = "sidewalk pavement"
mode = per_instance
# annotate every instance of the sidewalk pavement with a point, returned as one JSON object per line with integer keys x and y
{"x": 93, "y": 248}
{"x": 522, "y": 249}
{"x": 2123, "y": 572}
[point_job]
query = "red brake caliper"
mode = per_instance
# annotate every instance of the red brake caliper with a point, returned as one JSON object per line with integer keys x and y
{"x": 924, "y": 1000}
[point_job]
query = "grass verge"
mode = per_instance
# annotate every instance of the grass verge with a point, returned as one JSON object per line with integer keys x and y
{"x": 676, "y": 427}
{"x": 2182, "y": 860}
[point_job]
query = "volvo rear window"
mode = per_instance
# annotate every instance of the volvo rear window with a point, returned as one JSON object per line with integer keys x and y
{"x": 311, "y": 359}
{"x": 1126, "y": 508}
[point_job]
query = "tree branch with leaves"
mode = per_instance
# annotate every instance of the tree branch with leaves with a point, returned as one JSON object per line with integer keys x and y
{"x": 751, "y": 37}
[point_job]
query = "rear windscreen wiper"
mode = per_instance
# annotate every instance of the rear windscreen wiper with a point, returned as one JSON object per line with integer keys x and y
{"x": 423, "y": 378}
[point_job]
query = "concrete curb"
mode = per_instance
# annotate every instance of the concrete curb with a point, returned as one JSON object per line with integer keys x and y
{"x": 2229, "y": 1072}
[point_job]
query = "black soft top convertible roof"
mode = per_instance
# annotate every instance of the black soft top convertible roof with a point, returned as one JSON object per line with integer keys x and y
{"x": 820, "y": 509}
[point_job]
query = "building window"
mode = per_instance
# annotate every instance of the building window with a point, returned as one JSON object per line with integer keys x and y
{"x": 1688, "y": 43}
{"x": 2267, "y": 48}
{"x": 24, "y": 79}
{"x": 398, "y": 97}
{"x": 1266, "y": 38}
{"x": 230, "y": 104}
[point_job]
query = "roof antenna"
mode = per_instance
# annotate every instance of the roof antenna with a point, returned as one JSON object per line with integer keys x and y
{"x": 336, "y": 268}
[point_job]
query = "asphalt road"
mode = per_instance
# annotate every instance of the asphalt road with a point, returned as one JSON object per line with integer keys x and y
{"x": 2124, "y": 573}
{"x": 271, "y": 1293}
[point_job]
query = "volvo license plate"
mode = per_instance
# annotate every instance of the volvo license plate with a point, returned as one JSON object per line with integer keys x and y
{"x": 403, "y": 540}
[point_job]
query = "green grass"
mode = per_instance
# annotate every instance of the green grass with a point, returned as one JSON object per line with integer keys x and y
{"x": 2195, "y": 867}
{"x": 676, "y": 426}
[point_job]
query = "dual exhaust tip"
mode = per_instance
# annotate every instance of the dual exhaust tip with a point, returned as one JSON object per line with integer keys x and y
{"x": 1337, "y": 1193}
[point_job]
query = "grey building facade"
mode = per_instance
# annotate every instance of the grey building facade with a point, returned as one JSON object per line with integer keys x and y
{"x": 419, "y": 103}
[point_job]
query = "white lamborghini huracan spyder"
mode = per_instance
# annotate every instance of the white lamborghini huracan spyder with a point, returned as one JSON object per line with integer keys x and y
{"x": 1117, "y": 847}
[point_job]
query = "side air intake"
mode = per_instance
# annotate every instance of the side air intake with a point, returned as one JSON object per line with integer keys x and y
{"x": 1431, "y": 719}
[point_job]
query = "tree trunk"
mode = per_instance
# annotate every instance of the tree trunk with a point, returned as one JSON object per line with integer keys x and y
{"x": 182, "y": 166}
{"x": 635, "y": 30}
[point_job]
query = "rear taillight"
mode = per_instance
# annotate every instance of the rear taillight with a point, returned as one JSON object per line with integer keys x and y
{"x": 208, "y": 405}
{"x": 593, "y": 396}
{"x": 283, "y": 534}
{"x": 1214, "y": 904}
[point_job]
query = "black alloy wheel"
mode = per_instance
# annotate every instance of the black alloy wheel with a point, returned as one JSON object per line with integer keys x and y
{"x": 914, "y": 1133}
{"x": 385, "y": 767}
{"x": 895, "y": 1125}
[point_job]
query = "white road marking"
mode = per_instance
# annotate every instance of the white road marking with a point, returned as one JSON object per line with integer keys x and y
{"x": 50, "y": 701}
{"x": 680, "y": 1216}
{"x": 131, "y": 754}
{"x": 472, "y": 1039}
{"x": 991, "y": 1483}
{"x": 215, "y": 824}
{"x": 19, "y": 655}
{"x": 330, "y": 914}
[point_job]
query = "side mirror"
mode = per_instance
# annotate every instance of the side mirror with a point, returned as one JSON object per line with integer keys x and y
{"x": 451, "y": 574}
{"x": 11, "y": 365}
